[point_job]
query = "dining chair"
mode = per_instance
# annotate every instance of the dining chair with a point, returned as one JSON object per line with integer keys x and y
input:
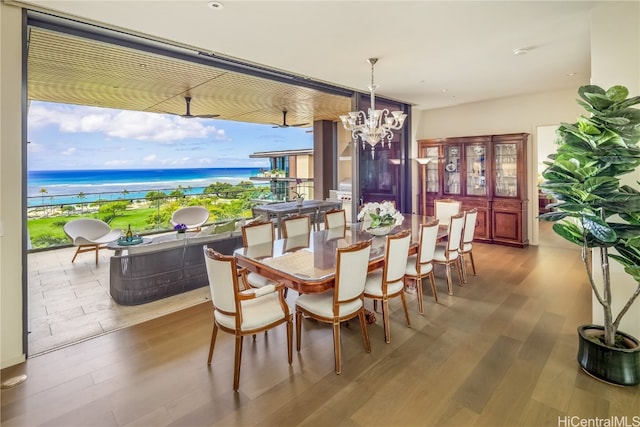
{"x": 388, "y": 282}
{"x": 448, "y": 253}
{"x": 258, "y": 233}
{"x": 335, "y": 218}
{"x": 243, "y": 312}
{"x": 343, "y": 302}
{"x": 466, "y": 245}
{"x": 421, "y": 265}
{"x": 296, "y": 225}
{"x": 445, "y": 208}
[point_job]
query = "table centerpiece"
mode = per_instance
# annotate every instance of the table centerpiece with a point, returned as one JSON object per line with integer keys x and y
{"x": 380, "y": 218}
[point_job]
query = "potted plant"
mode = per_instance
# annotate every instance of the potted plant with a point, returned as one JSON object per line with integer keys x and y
{"x": 595, "y": 211}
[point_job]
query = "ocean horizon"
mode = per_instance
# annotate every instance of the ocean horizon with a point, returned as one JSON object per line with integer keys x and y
{"x": 64, "y": 186}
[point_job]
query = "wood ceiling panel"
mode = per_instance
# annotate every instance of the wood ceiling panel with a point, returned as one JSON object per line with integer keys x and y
{"x": 72, "y": 70}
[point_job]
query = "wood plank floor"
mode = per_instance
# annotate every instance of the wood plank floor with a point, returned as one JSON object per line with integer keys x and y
{"x": 500, "y": 352}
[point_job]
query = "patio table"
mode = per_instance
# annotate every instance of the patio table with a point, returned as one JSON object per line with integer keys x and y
{"x": 309, "y": 207}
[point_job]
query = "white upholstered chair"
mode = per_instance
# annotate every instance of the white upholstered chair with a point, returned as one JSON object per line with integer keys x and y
{"x": 261, "y": 234}
{"x": 242, "y": 312}
{"x": 388, "y": 282}
{"x": 90, "y": 234}
{"x": 447, "y": 253}
{"x": 420, "y": 265}
{"x": 335, "y": 218}
{"x": 445, "y": 208}
{"x": 466, "y": 245}
{"x": 343, "y": 302}
{"x": 191, "y": 216}
{"x": 296, "y": 226}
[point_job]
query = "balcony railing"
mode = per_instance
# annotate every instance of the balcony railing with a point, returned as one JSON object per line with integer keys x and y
{"x": 147, "y": 212}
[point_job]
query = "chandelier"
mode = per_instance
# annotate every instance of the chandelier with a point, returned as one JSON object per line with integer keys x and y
{"x": 376, "y": 125}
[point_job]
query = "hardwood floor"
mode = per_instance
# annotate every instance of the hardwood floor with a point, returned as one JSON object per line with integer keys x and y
{"x": 500, "y": 352}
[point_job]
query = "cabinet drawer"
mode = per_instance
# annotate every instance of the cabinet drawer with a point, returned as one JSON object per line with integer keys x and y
{"x": 507, "y": 205}
{"x": 470, "y": 204}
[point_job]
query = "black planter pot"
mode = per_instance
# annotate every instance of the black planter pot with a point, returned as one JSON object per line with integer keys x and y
{"x": 613, "y": 365}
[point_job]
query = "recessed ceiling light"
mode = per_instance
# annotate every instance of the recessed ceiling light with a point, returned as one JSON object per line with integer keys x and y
{"x": 520, "y": 51}
{"x": 215, "y": 5}
{"x": 571, "y": 74}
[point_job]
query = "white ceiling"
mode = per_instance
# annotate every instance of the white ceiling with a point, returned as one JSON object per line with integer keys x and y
{"x": 425, "y": 47}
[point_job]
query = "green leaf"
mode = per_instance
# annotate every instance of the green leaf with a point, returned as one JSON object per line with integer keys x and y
{"x": 599, "y": 229}
{"x": 599, "y": 101}
{"x": 617, "y": 93}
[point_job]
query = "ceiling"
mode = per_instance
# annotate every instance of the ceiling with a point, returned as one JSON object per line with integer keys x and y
{"x": 433, "y": 54}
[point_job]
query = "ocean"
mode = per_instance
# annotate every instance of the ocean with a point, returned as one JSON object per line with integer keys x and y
{"x": 63, "y": 187}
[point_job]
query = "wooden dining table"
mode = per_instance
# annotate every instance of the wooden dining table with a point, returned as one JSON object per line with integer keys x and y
{"x": 307, "y": 263}
{"x": 279, "y": 211}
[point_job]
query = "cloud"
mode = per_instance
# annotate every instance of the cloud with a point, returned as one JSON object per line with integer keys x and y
{"x": 117, "y": 163}
{"x": 135, "y": 125}
{"x": 149, "y": 158}
{"x": 69, "y": 151}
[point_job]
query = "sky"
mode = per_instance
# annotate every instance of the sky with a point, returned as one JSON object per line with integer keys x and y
{"x": 74, "y": 137}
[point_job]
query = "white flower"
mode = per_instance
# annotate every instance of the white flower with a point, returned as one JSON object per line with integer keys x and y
{"x": 381, "y": 214}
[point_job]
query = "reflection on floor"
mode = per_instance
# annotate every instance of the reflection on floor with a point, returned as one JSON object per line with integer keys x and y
{"x": 69, "y": 303}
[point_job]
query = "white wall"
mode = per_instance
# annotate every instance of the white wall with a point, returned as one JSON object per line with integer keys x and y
{"x": 615, "y": 60}
{"x": 506, "y": 115}
{"x": 10, "y": 190}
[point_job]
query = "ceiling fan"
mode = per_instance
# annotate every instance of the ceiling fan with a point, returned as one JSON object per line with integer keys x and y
{"x": 188, "y": 114}
{"x": 284, "y": 122}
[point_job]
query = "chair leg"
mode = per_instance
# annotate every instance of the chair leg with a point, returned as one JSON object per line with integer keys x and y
{"x": 385, "y": 320}
{"x": 463, "y": 264}
{"x": 298, "y": 328}
{"x": 290, "y": 339}
{"x": 97, "y": 250}
{"x": 404, "y": 305}
{"x": 461, "y": 278}
{"x": 449, "y": 284}
{"x": 336, "y": 346}
{"x": 365, "y": 331}
{"x": 473, "y": 264}
{"x": 432, "y": 277}
{"x": 236, "y": 365}
{"x": 75, "y": 255}
{"x": 419, "y": 292}
{"x": 375, "y": 305}
{"x": 214, "y": 334}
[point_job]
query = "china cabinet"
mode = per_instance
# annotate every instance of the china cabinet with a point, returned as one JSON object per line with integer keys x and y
{"x": 486, "y": 172}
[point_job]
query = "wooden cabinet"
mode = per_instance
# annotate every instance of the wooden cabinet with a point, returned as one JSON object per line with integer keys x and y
{"x": 486, "y": 172}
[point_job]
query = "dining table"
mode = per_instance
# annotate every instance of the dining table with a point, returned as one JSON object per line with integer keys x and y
{"x": 307, "y": 263}
{"x": 279, "y": 211}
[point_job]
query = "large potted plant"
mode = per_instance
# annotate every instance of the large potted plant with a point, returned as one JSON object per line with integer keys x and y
{"x": 595, "y": 211}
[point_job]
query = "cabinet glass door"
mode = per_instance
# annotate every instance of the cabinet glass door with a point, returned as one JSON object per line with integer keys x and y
{"x": 476, "y": 171}
{"x": 452, "y": 170}
{"x": 433, "y": 183}
{"x": 506, "y": 162}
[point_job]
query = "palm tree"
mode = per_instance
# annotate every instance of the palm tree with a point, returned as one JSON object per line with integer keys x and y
{"x": 81, "y": 196}
{"x": 43, "y": 191}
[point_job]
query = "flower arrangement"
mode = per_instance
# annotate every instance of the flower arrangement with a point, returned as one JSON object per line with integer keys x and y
{"x": 295, "y": 191}
{"x": 180, "y": 228}
{"x": 381, "y": 214}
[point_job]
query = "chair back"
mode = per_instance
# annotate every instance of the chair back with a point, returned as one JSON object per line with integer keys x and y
{"x": 427, "y": 245}
{"x": 191, "y": 216}
{"x": 469, "y": 226}
{"x": 335, "y": 218}
{"x": 445, "y": 208}
{"x": 296, "y": 225}
{"x": 87, "y": 228}
{"x": 397, "y": 252}
{"x": 456, "y": 224}
{"x": 258, "y": 232}
{"x": 352, "y": 264}
{"x": 223, "y": 280}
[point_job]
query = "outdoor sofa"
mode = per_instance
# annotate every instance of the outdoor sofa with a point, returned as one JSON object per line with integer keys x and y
{"x": 169, "y": 265}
